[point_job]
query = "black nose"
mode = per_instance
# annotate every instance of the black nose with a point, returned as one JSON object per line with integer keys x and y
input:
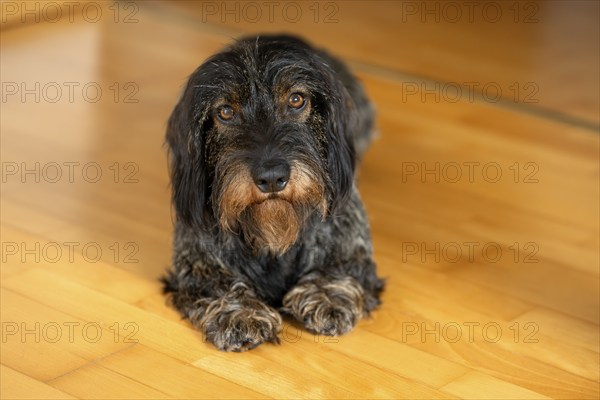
{"x": 271, "y": 176}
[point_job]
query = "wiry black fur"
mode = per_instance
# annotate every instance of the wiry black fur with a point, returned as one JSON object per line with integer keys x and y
{"x": 225, "y": 287}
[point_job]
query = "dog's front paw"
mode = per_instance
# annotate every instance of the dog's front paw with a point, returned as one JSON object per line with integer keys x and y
{"x": 326, "y": 307}
{"x": 240, "y": 325}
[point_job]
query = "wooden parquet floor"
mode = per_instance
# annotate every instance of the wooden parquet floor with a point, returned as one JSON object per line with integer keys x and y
{"x": 482, "y": 190}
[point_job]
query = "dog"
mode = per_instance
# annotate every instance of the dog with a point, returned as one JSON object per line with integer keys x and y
{"x": 263, "y": 145}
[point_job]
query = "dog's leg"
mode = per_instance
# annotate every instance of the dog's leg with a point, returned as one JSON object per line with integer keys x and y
{"x": 224, "y": 308}
{"x": 331, "y": 301}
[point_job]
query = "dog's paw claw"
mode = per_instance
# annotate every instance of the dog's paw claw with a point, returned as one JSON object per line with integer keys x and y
{"x": 329, "y": 320}
{"x": 238, "y": 329}
{"x": 330, "y": 308}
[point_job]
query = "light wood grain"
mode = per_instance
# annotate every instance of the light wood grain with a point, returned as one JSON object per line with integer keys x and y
{"x": 23, "y": 387}
{"x": 452, "y": 325}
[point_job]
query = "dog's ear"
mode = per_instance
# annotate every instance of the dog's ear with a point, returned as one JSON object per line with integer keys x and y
{"x": 189, "y": 176}
{"x": 341, "y": 159}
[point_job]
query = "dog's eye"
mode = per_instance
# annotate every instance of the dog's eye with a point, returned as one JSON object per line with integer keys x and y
{"x": 296, "y": 101}
{"x": 225, "y": 113}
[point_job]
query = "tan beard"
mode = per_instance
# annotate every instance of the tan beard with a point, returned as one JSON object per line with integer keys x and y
{"x": 272, "y": 225}
{"x": 270, "y": 222}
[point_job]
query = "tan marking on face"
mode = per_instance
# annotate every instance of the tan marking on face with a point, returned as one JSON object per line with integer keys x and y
{"x": 269, "y": 220}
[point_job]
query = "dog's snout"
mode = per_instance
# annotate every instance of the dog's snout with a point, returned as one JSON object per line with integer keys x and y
{"x": 271, "y": 176}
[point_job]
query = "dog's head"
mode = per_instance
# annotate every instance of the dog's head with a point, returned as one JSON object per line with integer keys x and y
{"x": 259, "y": 142}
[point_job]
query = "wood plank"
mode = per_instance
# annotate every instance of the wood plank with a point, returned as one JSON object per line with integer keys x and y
{"x": 423, "y": 319}
{"x": 147, "y": 328}
{"x": 170, "y": 376}
{"x": 19, "y": 386}
{"x": 35, "y": 336}
{"x": 278, "y": 380}
{"x": 107, "y": 385}
{"x": 369, "y": 379}
{"x": 479, "y": 386}
{"x": 69, "y": 258}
